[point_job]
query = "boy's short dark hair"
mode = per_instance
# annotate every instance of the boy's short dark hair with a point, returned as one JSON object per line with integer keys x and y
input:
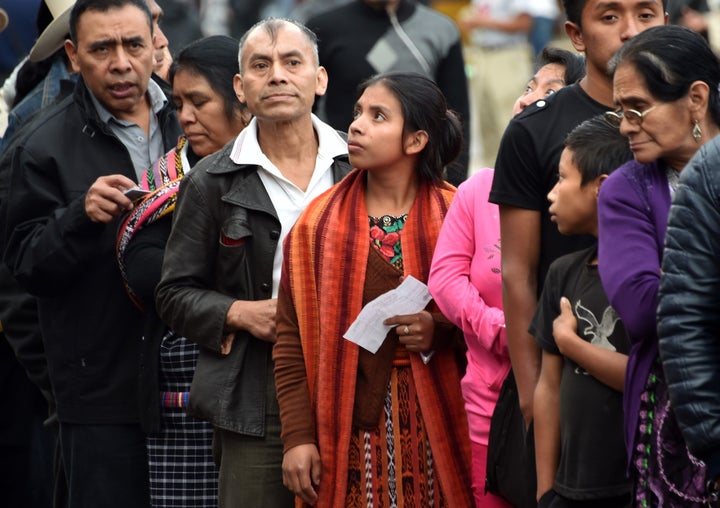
{"x": 573, "y": 9}
{"x": 597, "y": 148}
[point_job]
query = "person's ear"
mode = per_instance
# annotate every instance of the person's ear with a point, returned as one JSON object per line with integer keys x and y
{"x": 71, "y": 52}
{"x": 698, "y": 96}
{"x": 574, "y": 33}
{"x": 598, "y": 182}
{"x": 415, "y": 142}
{"x": 322, "y": 81}
{"x": 238, "y": 87}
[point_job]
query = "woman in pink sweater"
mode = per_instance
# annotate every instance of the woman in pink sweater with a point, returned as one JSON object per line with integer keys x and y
{"x": 466, "y": 284}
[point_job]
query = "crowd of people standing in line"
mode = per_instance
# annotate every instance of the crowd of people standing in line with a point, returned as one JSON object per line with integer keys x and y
{"x": 187, "y": 248}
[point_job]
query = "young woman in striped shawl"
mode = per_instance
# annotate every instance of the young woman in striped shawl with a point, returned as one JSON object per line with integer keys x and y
{"x": 389, "y": 428}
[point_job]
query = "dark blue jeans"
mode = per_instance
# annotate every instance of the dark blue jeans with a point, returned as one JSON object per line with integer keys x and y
{"x": 106, "y": 465}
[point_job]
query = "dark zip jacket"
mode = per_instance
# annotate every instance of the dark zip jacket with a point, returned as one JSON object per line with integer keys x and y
{"x": 90, "y": 329}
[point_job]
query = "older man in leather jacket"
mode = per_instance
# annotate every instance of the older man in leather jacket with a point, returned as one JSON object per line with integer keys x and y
{"x": 222, "y": 263}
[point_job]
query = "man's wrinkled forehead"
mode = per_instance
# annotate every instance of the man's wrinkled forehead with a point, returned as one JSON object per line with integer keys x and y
{"x": 274, "y": 31}
{"x": 80, "y": 9}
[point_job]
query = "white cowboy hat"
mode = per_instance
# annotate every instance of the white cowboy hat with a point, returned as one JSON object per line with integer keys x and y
{"x": 53, "y": 37}
{"x": 3, "y": 19}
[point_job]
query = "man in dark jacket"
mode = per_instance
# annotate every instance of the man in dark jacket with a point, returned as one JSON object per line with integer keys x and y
{"x": 222, "y": 262}
{"x": 66, "y": 193}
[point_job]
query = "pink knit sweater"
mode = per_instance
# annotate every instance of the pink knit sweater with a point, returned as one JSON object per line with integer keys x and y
{"x": 466, "y": 283}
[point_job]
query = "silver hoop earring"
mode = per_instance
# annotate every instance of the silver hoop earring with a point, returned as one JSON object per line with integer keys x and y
{"x": 697, "y": 132}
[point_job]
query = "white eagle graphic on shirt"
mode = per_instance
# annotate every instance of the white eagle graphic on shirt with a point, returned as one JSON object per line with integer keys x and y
{"x": 598, "y": 331}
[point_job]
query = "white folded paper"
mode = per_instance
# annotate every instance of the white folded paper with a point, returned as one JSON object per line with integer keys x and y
{"x": 368, "y": 330}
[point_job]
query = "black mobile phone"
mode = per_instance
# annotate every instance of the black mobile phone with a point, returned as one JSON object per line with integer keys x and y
{"x": 135, "y": 193}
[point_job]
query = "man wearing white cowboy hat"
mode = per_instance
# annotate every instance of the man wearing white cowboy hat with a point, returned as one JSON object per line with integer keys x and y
{"x": 65, "y": 195}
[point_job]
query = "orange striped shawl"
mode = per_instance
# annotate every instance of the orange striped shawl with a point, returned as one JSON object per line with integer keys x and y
{"x": 324, "y": 272}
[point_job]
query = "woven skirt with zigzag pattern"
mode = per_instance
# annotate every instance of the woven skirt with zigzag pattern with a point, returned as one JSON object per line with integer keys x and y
{"x": 392, "y": 466}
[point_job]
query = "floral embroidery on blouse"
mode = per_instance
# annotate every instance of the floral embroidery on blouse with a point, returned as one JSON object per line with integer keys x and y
{"x": 385, "y": 237}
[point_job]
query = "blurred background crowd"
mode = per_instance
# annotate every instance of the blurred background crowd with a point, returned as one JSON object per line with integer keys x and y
{"x": 500, "y": 40}
{"x": 525, "y": 26}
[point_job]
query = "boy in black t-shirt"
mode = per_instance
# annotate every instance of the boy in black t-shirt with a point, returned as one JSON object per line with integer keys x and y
{"x": 580, "y": 453}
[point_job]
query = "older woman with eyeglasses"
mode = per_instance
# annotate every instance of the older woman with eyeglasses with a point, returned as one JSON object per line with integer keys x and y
{"x": 665, "y": 82}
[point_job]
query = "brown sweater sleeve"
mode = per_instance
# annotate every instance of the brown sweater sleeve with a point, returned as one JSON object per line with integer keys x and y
{"x": 296, "y": 416}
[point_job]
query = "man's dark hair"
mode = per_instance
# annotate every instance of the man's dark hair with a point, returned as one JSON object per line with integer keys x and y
{"x": 573, "y": 63}
{"x": 82, "y": 6}
{"x": 573, "y": 9}
{"x": 597, "y": 148}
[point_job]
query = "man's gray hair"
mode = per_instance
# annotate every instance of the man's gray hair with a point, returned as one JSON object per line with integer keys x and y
{"x": 272, "y": 26}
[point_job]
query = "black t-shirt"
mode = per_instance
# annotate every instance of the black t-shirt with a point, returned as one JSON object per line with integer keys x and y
{"x": 527, "y": 164}
{"x": 592, "y": 450}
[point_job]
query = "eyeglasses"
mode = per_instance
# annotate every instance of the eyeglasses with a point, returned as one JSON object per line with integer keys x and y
{"x": 633, "y": 116}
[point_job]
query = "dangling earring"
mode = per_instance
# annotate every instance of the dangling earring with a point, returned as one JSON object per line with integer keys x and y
{"x": 697, "y": 132}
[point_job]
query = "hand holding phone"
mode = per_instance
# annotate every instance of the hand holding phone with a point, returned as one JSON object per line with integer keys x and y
{"x": 135, "y": 193}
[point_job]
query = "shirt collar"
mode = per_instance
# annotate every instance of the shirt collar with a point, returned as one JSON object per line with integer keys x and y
{"x": 246, "y": 149}
{"x": 157, "y": 102}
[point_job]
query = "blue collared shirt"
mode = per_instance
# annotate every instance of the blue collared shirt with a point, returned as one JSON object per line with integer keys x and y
{"x": 143, "y": 150}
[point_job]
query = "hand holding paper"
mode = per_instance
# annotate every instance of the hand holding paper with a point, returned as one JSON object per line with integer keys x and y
{"x": 368, "y": 330}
